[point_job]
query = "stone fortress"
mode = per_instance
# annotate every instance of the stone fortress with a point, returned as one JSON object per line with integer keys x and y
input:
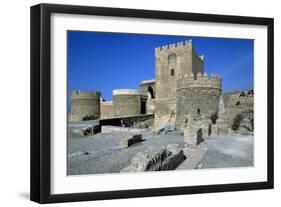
{"x": 182, "y": 94}
{"x": 179, "y": 120}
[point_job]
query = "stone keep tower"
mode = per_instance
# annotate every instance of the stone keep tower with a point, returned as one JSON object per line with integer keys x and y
{"x": 84, "y": 104}
{"x": 172, "y": 62}
{"x": 197, "y": 97}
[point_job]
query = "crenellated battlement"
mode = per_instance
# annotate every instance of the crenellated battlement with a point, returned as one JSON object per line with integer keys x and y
{"x": 173, "y": 46}
{"x": 200, "y": 80}
{"x": 78, "y": 94}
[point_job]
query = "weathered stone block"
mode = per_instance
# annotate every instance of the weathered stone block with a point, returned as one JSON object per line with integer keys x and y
{"x": 156, "y": 159}
{"x": 193, "y": 136}
{"x": 79, "y": 132}
{"x": 88, "y": 130}
{"x": 215, "y": 130}
{"x": 130, "y": 140}
{"x": 165, "y": 128}
{"x": 176, "y": 158}
{"x": 206, "y": 125}
{"x": 222, "y": 126}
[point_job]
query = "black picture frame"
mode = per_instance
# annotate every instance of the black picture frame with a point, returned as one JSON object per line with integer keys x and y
{"x": 41, "y": 98}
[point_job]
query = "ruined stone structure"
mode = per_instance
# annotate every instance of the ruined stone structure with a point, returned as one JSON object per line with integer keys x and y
{"x": 84, "y": 105}
{"x": 236, "y": 104}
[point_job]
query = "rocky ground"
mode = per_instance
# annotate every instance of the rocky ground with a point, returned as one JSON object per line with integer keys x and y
{"x": 104, "y": 153}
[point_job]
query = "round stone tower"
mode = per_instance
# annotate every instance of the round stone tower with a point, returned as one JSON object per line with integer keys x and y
{"x": 126, "y": 102}
{"x": 84, "y": 105}
{"x": 197, "y": 97}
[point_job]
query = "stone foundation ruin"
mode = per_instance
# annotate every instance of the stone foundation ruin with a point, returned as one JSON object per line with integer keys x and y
{"x": 156, "y": 159}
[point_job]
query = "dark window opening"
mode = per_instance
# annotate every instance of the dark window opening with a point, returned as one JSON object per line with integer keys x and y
{"x": 143, "y": 107}
{"x": 150, "y": 91}
{"x": 172, "y": 72}
{"x": 214, "y": 118}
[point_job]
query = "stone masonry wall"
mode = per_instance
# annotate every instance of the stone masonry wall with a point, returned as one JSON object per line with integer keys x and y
{"x": 84, "y": 104}
{"x": 171, "y": 62}
{"x": 235, "y": 103}
{"x": 165, "y": 111}
{"x": 126, "y": 121}
{"x": 150, "y": 105}
{"x": 106, "y": 110}
{"x": 126, "y": 103}
{"x": 144, "y": 85}
{"x": 197, "y": 97}
{"x": 197, "y": 63}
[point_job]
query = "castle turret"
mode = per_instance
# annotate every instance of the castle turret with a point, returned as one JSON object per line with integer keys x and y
{"x": 171, "y": 62}
{"x": 126, "y": 102}
{"x": 197, "y": 96}
{"x": 84, "y": 105}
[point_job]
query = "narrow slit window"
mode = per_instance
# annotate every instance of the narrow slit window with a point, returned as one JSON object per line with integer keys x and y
{"x": 172, "y": 72}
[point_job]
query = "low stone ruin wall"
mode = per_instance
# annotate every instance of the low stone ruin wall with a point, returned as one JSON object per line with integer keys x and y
{"x": 129, "y": 121}
{"x": 84, "y": 128}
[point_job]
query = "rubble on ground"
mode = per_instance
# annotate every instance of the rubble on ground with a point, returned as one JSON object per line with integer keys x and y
{"x": 130, "y": 140}
{"x": 156, "y": 159}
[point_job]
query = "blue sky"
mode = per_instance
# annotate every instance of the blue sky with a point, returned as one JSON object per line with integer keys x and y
{"x": 107, "y": 61}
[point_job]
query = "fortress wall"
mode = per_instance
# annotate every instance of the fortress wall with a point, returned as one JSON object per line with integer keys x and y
{"x": 176, "y": 57}
{"x": 106, "y": 110}
{"x": 202, "y": 80}
{"x": 197, "y": 63}
{"x": 234, "y": 99}
{"x": 126, "y": 102}
{"x": 150, "y": 106}
{"x": 235, "y": 104}
{"x": 165, "y": 111}
{"x": 148, "y": 93}
{"x": 167, "y": 58}
{"x": 144, "y": 85}
{"x": 127, "y": 121}
{"x": 197, "y": 97}
{"x": 181, "y": 58}
{"x": 84, "y": 104}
